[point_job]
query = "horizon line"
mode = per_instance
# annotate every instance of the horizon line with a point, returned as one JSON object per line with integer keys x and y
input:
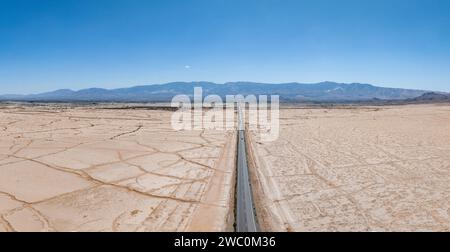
{"x": 217, "y": 83}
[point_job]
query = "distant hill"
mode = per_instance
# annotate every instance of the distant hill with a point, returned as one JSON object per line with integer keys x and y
{"x": 432, "y": 97}
{"x": 291, "y": 92}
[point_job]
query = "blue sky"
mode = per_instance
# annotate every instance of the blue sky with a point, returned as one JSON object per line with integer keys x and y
{"x": 53, "y": 44}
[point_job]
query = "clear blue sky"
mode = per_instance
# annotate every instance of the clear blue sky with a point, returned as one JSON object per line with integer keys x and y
{"x": 47, "y": 45}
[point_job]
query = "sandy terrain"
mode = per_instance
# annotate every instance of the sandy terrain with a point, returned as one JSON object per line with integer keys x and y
{"x": 91, "y": 169}
{"x": 88, "y": 168}
{"x": 363, "y": 169}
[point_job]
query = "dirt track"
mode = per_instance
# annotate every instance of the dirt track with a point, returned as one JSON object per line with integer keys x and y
{"x": 356, "y": 169}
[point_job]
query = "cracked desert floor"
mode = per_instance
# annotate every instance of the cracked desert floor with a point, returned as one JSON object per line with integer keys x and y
{"x": 356, "y": 169}
{"x": 106, "y": 168}
{"x": 87, "y": 168}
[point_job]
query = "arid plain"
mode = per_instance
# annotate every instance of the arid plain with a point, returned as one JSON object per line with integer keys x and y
{"x": 88, "y": 168}
{"x": 106, "y": 168}
{"x": 356, "y": 169}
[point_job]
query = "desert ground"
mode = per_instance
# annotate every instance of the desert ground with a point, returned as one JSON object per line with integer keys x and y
{"x": 355, "y": 169}
{"x": 101, "y": 167}
{"x": 88, "y": 168}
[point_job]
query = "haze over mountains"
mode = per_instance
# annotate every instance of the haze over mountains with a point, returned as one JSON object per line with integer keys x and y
{"x": 290, "y": 92}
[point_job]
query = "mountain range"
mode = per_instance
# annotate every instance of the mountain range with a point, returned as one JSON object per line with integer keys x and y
{"x": 288, "y": 92}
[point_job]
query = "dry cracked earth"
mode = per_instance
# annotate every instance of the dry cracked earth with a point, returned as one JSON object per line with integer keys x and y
{"x": 86, "y": 168}
{"x": 356, "y": 169}
{"x": 94, "y": 168}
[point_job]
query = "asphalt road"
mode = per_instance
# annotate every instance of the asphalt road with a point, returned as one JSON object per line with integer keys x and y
{"x": 245, "y": 211}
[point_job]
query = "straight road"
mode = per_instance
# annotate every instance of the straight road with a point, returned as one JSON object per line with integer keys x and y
{"x": 245, "y": 211}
